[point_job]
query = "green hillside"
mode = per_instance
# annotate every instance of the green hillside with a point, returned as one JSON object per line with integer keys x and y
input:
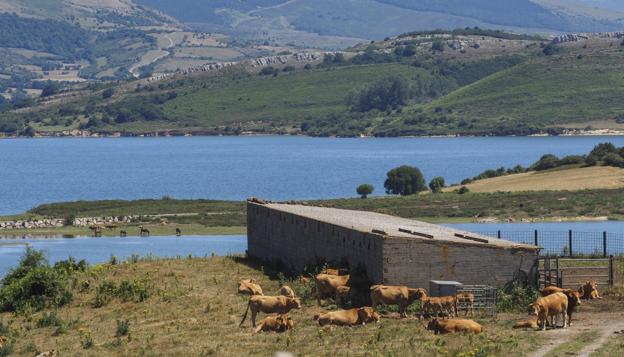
{"x": 545, "y": 91}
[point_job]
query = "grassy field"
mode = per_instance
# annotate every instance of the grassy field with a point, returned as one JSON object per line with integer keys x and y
{"x": 584, "y": 178}
{"x": 193, "y": 310}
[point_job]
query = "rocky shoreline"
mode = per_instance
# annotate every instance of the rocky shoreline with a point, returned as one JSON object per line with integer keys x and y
{"x": 59, "y": 222}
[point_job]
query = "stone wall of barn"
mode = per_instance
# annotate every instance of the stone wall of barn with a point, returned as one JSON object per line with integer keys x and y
{"x": 415, "y": 262}
{"x": 296, "y": 241}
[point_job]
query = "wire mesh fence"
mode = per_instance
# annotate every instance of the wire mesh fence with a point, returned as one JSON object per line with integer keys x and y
{"x": 567, "y": 243}
{"x": 483, "y": 301}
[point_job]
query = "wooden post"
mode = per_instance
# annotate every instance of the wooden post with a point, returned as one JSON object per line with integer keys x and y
{"x": 570, "y": 242}
{"x": 499, "y": 234}
{"x": 604, "y": 244}
{"x": 611, "y": 270}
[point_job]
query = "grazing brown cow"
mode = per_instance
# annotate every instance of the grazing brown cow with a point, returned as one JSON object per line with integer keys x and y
{"x": 286, "y": 291}
{"x": 454, "y": 325}
{"x": 395, "y": 295}
{"x": 3, "y": 341}
{"x": 467, "y": 299}
{"x": 327, "y": 285}
{"x": 351, "y": 317}
{"x": 589, "y": 291}
{"x": 249, "y": 287}
{"x": 269, "y": 305}
{"x": 550, "y": 306}
{"x": 279, "y": 323}
{"x": 574, "y": 298}
{"x": 447, "y": 304}
{"x": 531, "y": 322}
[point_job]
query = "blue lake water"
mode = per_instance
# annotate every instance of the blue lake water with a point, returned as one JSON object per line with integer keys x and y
{"x": 99, "y": 250}
{"x": 35, "y": 171}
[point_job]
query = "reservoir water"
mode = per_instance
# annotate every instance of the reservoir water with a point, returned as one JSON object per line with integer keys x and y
{"x": 36, "y": 171}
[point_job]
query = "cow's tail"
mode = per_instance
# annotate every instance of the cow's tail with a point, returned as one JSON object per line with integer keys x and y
{"x": 245, "y": 315}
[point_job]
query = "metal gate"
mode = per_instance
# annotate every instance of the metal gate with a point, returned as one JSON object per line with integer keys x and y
{"x": 484, "y": 300}
{"x": 573, "y": 272}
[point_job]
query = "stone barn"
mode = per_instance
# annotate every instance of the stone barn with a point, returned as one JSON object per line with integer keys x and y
{"x": 394, "y": 251}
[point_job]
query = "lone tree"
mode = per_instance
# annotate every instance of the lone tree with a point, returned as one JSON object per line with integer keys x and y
{"x": 437, "y": 184}
{"x": 405, "y": 180}
{"x": 365, "y": 189}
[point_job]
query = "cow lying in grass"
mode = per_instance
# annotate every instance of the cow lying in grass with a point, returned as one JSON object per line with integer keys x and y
{"x": 574, "y": 298}
{"x": 589, "y": 291}
{"x": 3, "y": 341}
{"x": 395, "y": 295}
{"x": 453, "y": 325}
{"x": 249, "y": 287}
{"x": 550, "y": 306}
{"x": 445, "y": 304}
{"x": 351, "y": 317}
{"x": 279, "y": 323}
{"x": 327, "y": 285}
{"x": 269, "y": 305}
{"x": 531, "y": 322}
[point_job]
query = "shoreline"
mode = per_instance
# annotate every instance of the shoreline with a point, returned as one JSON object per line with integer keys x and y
{"x": 166, "y": 134}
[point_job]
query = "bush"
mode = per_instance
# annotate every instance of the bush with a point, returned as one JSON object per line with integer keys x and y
{"x": 463, "y": 190}
{"x": 516, "y": 298}
{"x": 40, "y": 288}
{"x": 388, "y": 93}
{"x": 405, "y": 180}
{"x": 49, "y": 319}
{"x": 437, "y": 184}
{"x": 591, "y": 160}
{"x": 365, "y": 189}
{"x": 551, "y": 49}
{"x": 546, "y": 162}
{"x": 613, "y": 159}
{"x": 87, "y": 341}
{"x": 572, "y": 160}
{"x": 107, "y": 93}
{"x": 123, "y": 328}
{"x": 267, "y": 71}
{"x": 437, "y": 46}
{"x": 601, "y": 150}
{"x": 70, "y": 265}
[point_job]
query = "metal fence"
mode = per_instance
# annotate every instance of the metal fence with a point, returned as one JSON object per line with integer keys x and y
{"x": 484, "y": 301}
{"x": 567, "y": 243}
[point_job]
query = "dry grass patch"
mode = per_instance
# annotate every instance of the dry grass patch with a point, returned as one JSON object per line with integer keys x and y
{"x": 585, "y": 178}
{"x": 191, "y": 309}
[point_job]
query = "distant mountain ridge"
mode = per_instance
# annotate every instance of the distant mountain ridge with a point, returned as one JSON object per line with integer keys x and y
{"x": 375, "y": 19}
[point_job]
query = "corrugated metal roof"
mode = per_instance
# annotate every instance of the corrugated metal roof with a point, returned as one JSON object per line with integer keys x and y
{"x": 392, "y": 226}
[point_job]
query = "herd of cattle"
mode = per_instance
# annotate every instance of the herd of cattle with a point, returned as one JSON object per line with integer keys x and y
{"x": 554, "y": 302}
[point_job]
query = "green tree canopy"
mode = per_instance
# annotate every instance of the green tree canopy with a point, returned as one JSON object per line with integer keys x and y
{"x": 365, "y": 189}
{"x": 437, "y": 184}
{"x": 405, "y": 180}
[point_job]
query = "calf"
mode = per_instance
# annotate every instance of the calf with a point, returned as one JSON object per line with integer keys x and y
{"x": 279, "y": 323}
{"x": 467, "y": 300}
{"x": 550, "y": 306}
{"x": 269, "y": 305}
{"x": 531, "y": 322}
{"x": 249, "y": 287}
{"x": 394, "y": 295}
{"x": 589, "y": 291}
{"x": 454, "y": 325}
{"x": 351, "y": 317}
{"x": 447, "y": 304}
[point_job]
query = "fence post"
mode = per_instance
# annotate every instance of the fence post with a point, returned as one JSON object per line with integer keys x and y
{"x": 498, "y": 235}
{"x": 611, "y": 270}
{"x": 535, "y": 237}
{"x": 570, "y": 242}
{"x": 604, "y": 244}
